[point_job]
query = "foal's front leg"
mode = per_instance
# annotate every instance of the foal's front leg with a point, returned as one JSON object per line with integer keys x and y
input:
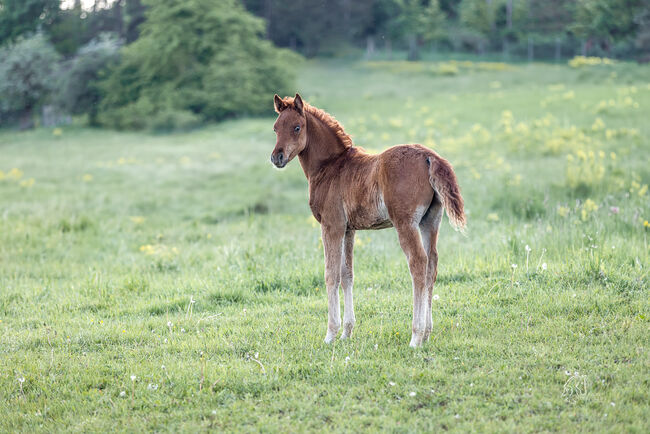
{"x": 347, "y": 278}
{"x": 333, "y": 247}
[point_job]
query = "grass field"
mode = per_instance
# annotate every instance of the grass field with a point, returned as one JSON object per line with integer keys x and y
{"x": 175, "y": 282}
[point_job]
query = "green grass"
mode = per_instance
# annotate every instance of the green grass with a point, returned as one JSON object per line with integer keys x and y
{"x": 102, "y": 253}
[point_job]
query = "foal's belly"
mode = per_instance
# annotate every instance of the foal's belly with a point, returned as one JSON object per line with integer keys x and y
{"x": 370, "y": 214}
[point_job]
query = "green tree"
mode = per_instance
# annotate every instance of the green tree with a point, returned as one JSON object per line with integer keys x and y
{"x": 26, "y": 73}
{"x": 19, "y": 17}
{"x": 134, "y": 12}
{"x": 433, "y": 26}
{"x": 478, "y": 18}
{"x": 67, "y": 29}
{"x": 607, "y": 21}
{"x": 78, "y": 91}
{"x": 195, "y": 60}
{"x": 420, "y": 21}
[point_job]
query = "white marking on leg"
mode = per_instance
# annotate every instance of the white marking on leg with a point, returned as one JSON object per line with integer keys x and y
{"x": 347, "y": 278}
{"x": 333, "y": 247}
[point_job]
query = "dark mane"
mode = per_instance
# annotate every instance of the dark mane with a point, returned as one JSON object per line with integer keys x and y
{"x": 327, "y": 119}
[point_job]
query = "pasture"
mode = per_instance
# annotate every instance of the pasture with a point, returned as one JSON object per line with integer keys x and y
{"x": 175, "y": 282}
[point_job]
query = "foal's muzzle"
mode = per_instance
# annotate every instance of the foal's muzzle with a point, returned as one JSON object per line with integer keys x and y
{"x": 279, "y": 159}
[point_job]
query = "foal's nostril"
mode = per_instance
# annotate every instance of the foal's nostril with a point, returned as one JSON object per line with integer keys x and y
{"x": 280, "y": 157}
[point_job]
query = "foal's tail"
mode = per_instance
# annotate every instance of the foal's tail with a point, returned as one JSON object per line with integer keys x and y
{"x": 444, "y": 183}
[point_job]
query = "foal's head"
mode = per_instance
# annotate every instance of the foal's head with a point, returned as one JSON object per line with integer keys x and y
{"x": 290, "y": 129}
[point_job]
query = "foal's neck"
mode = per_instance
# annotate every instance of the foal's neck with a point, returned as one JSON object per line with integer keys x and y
{"x": 322, "y": 145}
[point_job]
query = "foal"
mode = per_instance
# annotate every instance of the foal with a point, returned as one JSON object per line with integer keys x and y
{"x": 406, "y": 186}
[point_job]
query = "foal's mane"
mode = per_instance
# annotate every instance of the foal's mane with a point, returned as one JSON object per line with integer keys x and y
{"x": 327, "y": 119}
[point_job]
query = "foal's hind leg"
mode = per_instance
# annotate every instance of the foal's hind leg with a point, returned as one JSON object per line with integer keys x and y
{"x": 347, "y": 277}
{"x": 429, "y": 227}
{"x": 409, "y": 240}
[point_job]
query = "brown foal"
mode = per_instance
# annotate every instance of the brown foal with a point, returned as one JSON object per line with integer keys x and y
{"x": 406, "y": 186}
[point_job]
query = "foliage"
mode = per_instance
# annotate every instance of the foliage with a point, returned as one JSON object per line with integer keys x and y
{"x": 134, "y": 12}
{"x": 21, "y": 17}
{"x": 78, "y": 91}
{"x": 27, "y": 71}
{"x": 608, "y": 20}
{"x": 196, "y": 61}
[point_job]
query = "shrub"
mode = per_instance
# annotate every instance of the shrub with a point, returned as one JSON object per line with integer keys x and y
{"x": 27, "y": 68}
{"x": 195, "y": 61}
{"x": 78, "y": 90}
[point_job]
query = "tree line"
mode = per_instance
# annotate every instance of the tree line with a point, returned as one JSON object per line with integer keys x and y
{"x": 528, "y": 28}
{"x": 165, "y": 64}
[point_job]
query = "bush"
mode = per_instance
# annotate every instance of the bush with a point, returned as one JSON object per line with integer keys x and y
{"x": 27, "y": 69}
{"x": 78, "y": 90}
{"x": 195, "y": 62}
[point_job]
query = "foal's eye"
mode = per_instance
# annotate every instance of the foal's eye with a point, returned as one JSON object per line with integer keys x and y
{"x": 297, "y": 128}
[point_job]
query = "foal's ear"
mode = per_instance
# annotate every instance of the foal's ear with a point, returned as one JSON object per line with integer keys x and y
{"x": 279, "y": 104}
{"x": 297, "y": 103}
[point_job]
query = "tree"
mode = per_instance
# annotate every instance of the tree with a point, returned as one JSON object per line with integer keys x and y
{"x": 26, "y": 78}
{"x": 78, "y": 89}
{"x": 134, "y": 12}
{"x": 195, "y": 61}
{"x": 20, "y": 17}
{"x": 478, "y": 17}
{"x": 606, "y": 21}
{"x": 67, "y": 29}
{"x": 433, "y": 26}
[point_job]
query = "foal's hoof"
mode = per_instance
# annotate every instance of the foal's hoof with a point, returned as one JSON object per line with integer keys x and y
{"x": 329, "y": 338}
{"x": 416, "y": 341}
{"x": 347, "y": 330}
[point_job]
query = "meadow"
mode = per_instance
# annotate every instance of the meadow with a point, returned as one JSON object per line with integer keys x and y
{"x": 175, "y": 282}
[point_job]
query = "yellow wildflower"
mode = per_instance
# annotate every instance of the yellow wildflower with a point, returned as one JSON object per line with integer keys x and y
{"x": 27, "y": 182}
{"x": 15, "y": 174}
{"x": 598, "y": 125}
